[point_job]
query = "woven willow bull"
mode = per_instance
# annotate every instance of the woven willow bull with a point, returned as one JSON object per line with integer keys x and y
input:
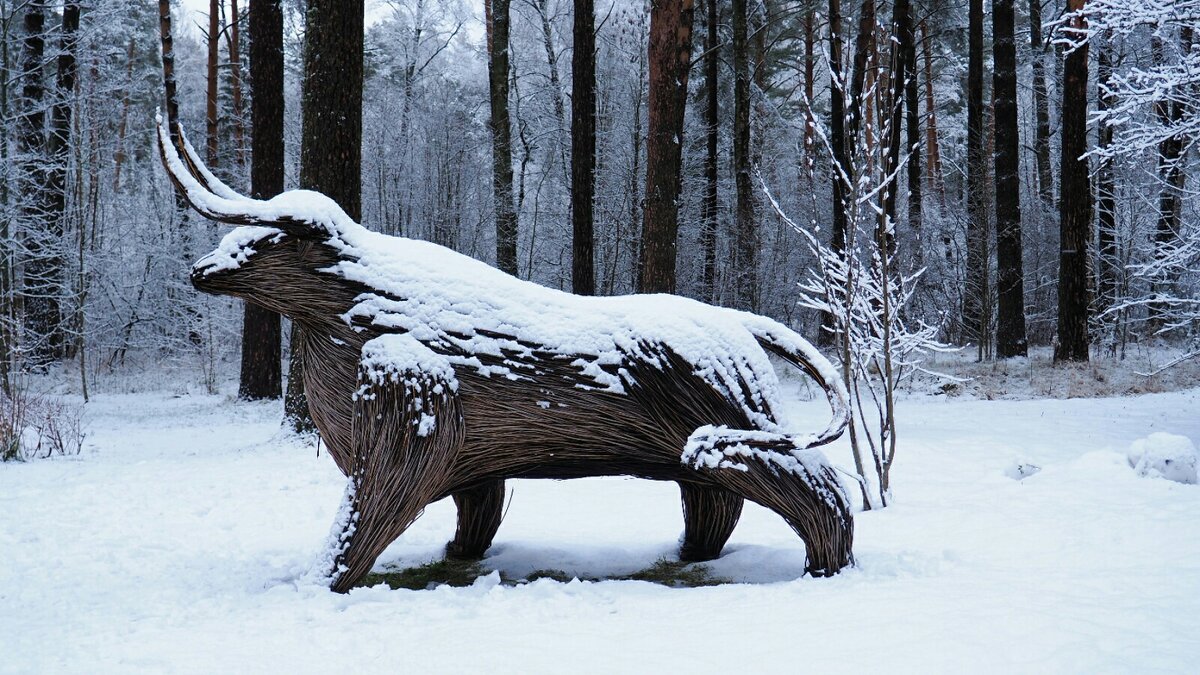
{"x": 430, "y": 374}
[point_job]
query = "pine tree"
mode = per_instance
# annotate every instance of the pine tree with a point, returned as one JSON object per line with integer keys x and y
{"x": 583, "y": 147}
{"x": 746, "y": 246}
{"x": 1075, "y": 204}
{"x": 261, "y": 371}
{"x": 1010, "y": 278}
{"x": 975, "y": 321}
{"x": 331, "y": 138}
{"x": 669, "y": 56}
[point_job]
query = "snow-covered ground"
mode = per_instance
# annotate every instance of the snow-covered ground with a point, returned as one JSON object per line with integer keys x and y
{"x": 177, "y": 542}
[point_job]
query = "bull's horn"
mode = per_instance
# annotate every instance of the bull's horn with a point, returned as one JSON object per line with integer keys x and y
{"x": 209, "y": 196}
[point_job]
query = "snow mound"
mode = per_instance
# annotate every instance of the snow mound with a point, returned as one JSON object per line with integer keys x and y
{"x": 1163, "y": 455}
{"x": 1020, "y": 470}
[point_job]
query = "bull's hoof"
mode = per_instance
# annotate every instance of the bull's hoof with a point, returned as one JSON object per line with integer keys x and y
{"x": 457, "y": 551}
{"x": 695, "y": 554}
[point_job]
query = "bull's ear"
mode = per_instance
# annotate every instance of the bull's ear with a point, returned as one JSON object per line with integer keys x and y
{"x": 217, "y": 201}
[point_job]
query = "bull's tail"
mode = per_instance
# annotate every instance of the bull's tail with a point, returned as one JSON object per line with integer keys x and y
{"x": 788, "y": 345}
{"x": 784, "y": 472}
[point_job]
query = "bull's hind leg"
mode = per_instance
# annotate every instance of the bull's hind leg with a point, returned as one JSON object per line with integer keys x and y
{"x": 797, "y": 484}
{"x": 709, "y": 516}
{"x": 480, "y": 510}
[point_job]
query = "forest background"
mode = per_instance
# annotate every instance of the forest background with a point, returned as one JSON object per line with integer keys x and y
{"x": 1026, "y": 168}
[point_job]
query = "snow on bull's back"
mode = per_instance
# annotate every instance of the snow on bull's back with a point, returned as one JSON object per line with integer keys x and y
{"x": 1165, "y": 455}
{"x": 436, "y": 294}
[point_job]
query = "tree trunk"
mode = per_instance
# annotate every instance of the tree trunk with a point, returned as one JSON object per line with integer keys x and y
{"x": 810, "y": 64}
{"x": 56, "y": 179}
{"x": 863, "y": 44}
{"x": 932, "y": 151}
{"x": 900, "y": 44}
{"x": 709, "y": 212}
{"x": 669, "y": 56}
{"x": 1075, "y": 205}
{"x": 331, "y": 137}
{"x": 583, "y": 148}
{"x": 8, "y": 299}
{"x": 1109, "y": 262}
{"x": 837, "y": 142}
{"x": 261, "y": 332}
{"x": 210, "y": 115}
{"x": 1041, "y": 105}
{"x": 637, "y": 256}
{"x": 168, "y": 64}
{"x": 1170, "y": 173}
{"x": 497, "y": 16}
{"x": 913, "y": 126}
{"x": 119, "y": 155}
{"x": 556, "y": 85}
{"x": 40, "y": 288}
{"x": 746, "y": 246}
{"x": 235, "y": 84}
{"x": 977, "y": 287}
{"x": 1010, "y": 278}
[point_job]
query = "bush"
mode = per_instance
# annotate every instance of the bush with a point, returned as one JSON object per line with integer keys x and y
{"x": 36, "y": 426}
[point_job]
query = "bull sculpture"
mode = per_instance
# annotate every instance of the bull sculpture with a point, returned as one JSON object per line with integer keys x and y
{"x": 430, "y": 374}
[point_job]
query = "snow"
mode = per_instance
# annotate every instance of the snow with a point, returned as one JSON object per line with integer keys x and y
{"x": 1165, "y": 455}
{"x": 236, "y": 248}
{"x": 181, "y": 541}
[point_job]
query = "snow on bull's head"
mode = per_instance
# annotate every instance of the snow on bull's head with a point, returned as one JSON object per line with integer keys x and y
{"x": 280, "y": 246}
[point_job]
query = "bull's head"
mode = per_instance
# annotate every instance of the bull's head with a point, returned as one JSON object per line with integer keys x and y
{"x": 280, "y": 255}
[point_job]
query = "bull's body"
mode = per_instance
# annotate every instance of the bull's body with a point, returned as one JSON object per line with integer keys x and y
{"x": 430, "y": 374}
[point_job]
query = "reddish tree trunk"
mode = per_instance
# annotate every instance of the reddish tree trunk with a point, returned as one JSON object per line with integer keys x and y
{"x": 932, "y": 151}
{"x": 235, "y": 83}
{"x": 210, "y": 115}
{"x": 669, "y": 56}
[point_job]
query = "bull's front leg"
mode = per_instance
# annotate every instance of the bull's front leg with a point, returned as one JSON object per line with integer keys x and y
{"x": 406, "y": 430}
